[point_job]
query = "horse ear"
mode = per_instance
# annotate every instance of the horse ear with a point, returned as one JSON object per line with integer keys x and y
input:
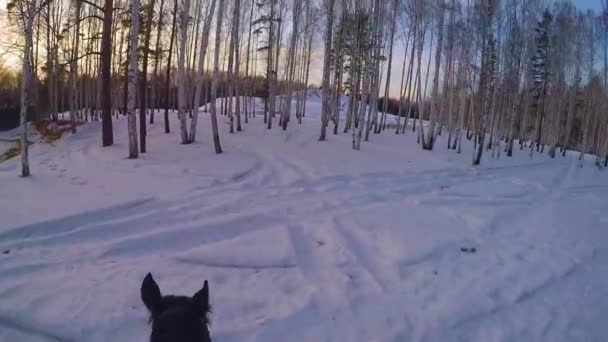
{"x": 150, "y": 294}
{"x": 201, "y": 298}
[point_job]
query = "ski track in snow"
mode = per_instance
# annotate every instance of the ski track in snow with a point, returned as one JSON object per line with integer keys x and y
{"x": 303, "y": 241}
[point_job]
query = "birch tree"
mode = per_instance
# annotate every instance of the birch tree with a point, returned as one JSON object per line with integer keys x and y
{"x": 216, "y": 75}
{"x": 168, "y": 76}
{"x": 325, "y": 106}
{"x": 157, "y": 58}
{"x": 291, "y": 63}
{"x": 428, "y": 141}
{"x": 200, "y": 74}
{"x": 181, "y": 71}
{"x": 106, "y": 76}
{"x": 390, "y": 65}
{"x": 27, "y": 14}
{"x": 74, "y": 66}
{"x": 131, "y": 102}
{"x": 143, "y": 94}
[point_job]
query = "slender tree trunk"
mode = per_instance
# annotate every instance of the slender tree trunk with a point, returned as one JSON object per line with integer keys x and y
{"x": 182, "y": 105}
{"x": 375, "y": 72}
{"x": 230, "y": 88}
{"x": 200, "y": 74}
{"x": 157, "y": 58}
{"x": 325, "y": 106}
{"x": 126, "y": 75}
{"x": 143, "y": 90}
{"x": 168, "y": 77}
{"x": 216, "y": 75}
{"x": 237, "y": 67}
{"x": 429, "y": 141}
{"x": 389, "y": 69}
{"x": 106, "y": 77}
{"x": 402, "y": 90}
{"x": 307, "y": 72}
{"x": 271, "y": 74}
{"x": 28, "y": 15}
{"x": 74, "y": 68}
{"x": 132, "y": 91}
{"x": 247, "y": 62}
{"x": 291, "y": 62}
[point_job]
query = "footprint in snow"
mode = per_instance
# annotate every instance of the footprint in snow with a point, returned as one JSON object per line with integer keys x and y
{"x": 468, "y": 250}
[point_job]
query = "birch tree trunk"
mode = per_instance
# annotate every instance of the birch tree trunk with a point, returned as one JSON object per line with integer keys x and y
{"x": 237, "y": 67}
{"x": 308, "y": 60}
{"x": 270, "y": 67}
{"x": 291, "y": 62}
{"x": 157, "y": 58}
{"x": 247, "y": 59}
{"x": 429, "y": 141}
{"x": 182, "y": 105}
{"x": 28, "y": 14}
{"x": 74, "y": 68}
{"x": 401, "y": 92}
{"x": 230, "y": 86}
{"x": 325, "y": 104}
{"x": 200, "y": 75}
{"x": 106, "y": 77}
{"x": 375, "y": 68}
{"x": 168, "y": 76}
{"x": 389, "y": 69}
{"x": 216, "y": 75}
{"x": 132, "y": 90}
{"x": 143, "y": 95}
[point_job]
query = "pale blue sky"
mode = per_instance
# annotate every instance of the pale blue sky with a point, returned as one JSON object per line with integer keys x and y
{"x": 585, "y": 4}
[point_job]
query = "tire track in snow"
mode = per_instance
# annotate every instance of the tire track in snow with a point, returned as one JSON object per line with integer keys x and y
{"x": 69, "y": 223}
{"x": 31, "y": 330}
{"x": 442, "y": 257}
{"x": 362, "y": 257}
{"x": 212, "y": 264}
{"x": 522, "y": 214}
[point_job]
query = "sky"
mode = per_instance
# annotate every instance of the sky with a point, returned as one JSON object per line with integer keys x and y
{"x": 586, "y": 4}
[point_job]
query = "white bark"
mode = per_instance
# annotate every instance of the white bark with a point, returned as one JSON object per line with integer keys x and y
{"x": 74, "y": 69}
{"x": 28, "y": 12}
{"x": 325, "y": 105}
{"x": 291, "y": 62}
{"x": 200, "y": 77}
{"x": 216, "y": 75}
{"x": 428, "y": 141}
{"x": 182, "y": 102}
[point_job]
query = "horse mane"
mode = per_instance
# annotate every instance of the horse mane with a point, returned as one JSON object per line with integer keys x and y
{"x": 172, "y": 300}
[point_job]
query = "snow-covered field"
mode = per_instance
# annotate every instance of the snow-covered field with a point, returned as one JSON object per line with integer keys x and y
{"x": 303, "y": 240}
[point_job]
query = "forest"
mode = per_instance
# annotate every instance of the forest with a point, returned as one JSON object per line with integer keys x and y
{"x": 527, "y": 75}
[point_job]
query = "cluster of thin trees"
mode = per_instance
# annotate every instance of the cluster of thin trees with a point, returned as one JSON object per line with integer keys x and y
{"x": 530, "y": 72}
{"x": 506, "y": 74}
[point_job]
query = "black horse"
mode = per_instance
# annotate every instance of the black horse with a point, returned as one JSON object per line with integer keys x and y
{"x": 177, "y": 318}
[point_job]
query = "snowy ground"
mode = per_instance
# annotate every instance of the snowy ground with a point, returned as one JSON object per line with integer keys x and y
{"x": 302, "y": 240}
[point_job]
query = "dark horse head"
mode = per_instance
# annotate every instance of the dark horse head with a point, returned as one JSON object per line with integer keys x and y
{"x": 177, "y": 318}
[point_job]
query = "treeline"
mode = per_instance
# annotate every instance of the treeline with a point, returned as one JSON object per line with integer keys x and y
{"x": 498, "y": 72}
